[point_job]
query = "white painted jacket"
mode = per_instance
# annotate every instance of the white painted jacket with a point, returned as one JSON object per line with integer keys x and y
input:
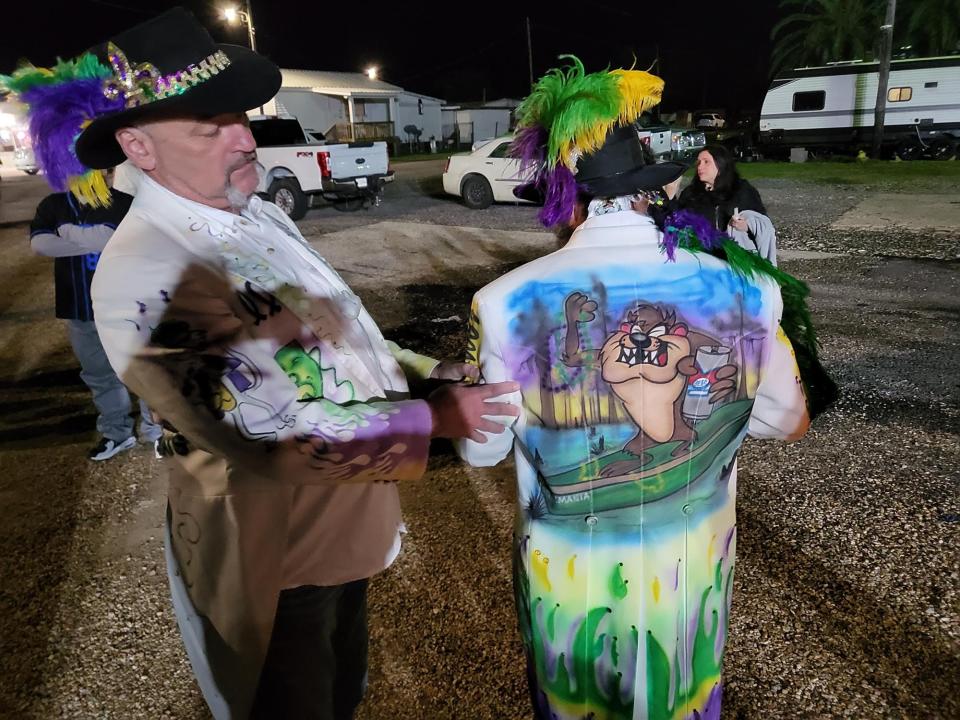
{"x": 639, "y": 379}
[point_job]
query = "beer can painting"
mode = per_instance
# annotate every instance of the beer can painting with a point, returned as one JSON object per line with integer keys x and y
{"x": 696, "y": 403}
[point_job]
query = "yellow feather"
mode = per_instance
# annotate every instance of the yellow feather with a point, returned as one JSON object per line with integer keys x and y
{"x": 91, "y": 189}
{"x": 592, "y": 138}
{"x": 639, "y": 91}
{"x": 586, "y": 141}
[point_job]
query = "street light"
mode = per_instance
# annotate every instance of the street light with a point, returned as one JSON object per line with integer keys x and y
{"x": 372, "y": 72}
{"x": 232, "y": 15}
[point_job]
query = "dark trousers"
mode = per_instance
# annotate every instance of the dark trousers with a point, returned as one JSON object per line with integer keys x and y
{"x": 316, "y": 666}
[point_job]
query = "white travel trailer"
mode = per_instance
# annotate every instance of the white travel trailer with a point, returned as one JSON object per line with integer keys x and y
{"x": 831, "y": 107}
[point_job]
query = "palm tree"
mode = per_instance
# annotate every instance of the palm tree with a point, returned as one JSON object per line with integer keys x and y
{"x": 932, "y": 26}
{"x": 822, "y": 31}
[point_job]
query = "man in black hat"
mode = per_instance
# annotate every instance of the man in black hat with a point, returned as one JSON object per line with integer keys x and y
{"x": 642, "y": 364}
{"x": 294, "y": 416}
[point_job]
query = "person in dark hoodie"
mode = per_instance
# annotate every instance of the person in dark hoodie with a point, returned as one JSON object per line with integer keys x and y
{"x": 73, "y": 233}
{"x": 717, "y": 191}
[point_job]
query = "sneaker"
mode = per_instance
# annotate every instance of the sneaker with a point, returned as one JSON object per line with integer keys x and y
{"x": 107, "y": 448}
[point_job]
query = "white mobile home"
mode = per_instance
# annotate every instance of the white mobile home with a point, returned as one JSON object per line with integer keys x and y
{"x": 466, "y": 124}
{"x": 421, "y": 111}
{"x": 338, "y": 105}
{"x": 832, "y": 106}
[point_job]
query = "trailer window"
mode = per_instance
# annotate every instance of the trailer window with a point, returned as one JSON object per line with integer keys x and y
{"x": 899, "y": 94}
{"x": 930, "y": 84}
{"x": 812, "y": 100}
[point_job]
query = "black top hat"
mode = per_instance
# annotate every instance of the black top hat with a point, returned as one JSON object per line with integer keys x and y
{"x": 171, "y": 66}
{"x": 622, "y": 165}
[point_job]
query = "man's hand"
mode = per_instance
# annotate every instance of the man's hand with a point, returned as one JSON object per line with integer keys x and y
{"x": 459, "y": 410}
{"x": 456, "y": 371}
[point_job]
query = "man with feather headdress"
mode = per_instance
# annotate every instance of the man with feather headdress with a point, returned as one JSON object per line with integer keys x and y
{"x": 644, "y": 358}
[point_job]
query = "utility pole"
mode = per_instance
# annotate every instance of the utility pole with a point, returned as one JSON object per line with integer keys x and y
{"x": 232, "y": 16}
{"x": 883, "y": 77}
{"x": 251, "y": 33}
{"x": 659, "y": 74}
{"x": 529, "y": 53}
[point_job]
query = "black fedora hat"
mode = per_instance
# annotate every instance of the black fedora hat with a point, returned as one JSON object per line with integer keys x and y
{"x": 171, "y": 66}
{"x": 621, "y": 166}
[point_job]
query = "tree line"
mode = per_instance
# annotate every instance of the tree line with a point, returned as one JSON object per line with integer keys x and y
{"x": 815, "y": 32}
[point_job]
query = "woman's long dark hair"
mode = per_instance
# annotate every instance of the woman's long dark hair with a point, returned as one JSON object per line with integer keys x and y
{"x": 727, "y": 176}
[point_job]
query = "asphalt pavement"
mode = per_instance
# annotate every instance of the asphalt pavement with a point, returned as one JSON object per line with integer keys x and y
{"x": 847, "y": 590}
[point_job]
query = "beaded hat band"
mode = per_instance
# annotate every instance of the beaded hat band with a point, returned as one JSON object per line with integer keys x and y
{"x": 140, "y": 84}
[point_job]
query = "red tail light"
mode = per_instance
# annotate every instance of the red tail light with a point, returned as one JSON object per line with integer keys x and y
{"x": 323, "y": 160}
{"x": 446, "y": 167}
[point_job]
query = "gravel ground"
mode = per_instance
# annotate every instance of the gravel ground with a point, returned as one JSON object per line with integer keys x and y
{"x": 847, "y": 592}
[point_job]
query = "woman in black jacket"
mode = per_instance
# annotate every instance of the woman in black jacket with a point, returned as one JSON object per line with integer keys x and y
{"x": 718, "y": 192}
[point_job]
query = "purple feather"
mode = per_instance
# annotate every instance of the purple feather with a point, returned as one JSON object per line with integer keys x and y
{"x": 685, "y": 228}
{"x": 561, "y": 196}
{"x": 530, "y": 146}
{"x": 57, "y": 115}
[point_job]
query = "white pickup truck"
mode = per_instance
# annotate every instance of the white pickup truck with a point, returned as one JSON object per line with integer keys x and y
{"x": 669, "y": 143}
{"x": 347, "y": 174}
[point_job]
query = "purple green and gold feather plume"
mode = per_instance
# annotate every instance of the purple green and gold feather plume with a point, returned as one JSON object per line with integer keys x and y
{"x": 569, "y": 114}
{"x": 61, "y": 101}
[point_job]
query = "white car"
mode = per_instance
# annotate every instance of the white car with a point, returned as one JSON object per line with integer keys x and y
{"x": 25, "y": 161}
{"x": 485, "y": 175}
{"x": 711, "y": 120}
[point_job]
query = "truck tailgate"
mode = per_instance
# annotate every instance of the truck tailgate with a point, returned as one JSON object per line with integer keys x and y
{"x": 357, "y": 159}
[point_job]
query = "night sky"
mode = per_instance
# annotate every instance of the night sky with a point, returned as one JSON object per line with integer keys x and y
{"x": 713, "y": 55}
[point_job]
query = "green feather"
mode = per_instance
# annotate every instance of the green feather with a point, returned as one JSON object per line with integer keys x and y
{"x": 27, "y": 76}
{"x": 793, "y": 290}
{"x": 571, "y": 105}
{"x": 89, "y": 66}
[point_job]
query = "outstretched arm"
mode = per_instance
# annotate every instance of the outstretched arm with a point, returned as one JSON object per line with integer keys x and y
{"x": 191, "y": 354}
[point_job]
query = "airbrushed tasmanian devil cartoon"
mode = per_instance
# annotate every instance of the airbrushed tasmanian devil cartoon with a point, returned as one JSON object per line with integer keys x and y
{"x": 650, "y": 364}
